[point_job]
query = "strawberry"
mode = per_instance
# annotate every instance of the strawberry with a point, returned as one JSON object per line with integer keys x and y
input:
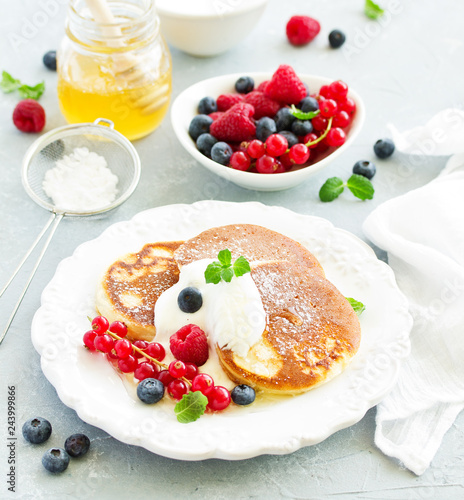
{"x": 264, "y": 106}
{"x": 29, "y": 116}
{"x": 235, "y": 124}
{"x": 190, "y": 345}
{"x": 285, "y": 86}
{"x": 226, "y": 101}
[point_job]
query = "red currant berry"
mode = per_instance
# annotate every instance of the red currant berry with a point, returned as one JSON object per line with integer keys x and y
{"x": 141, "y": 344}
{"x": 338, "y": 90}
{"x": 256, "y": 149}
{"x": 328, "y": 108}
{"x": 319, "y": 123}
{"x": 341, "y": 119}
{"x": 279, "y": 168}
{"x": 146, "y": 370}
{"x": 203, "y": 383}
{"x": 123, "y": 348}
{"x": 129, "y": 364}
{"x": 276, "y": 145}
{"x": 177, "y": 368}
{"x": 191, "y": 371}
{"x": 219, "y": 398}
{"x": 266, "y": 165}
{"x": 119, "y": 328}
{"x": 165, "y": 377}
{"x": 112, "y": 355}
{"x": 89, "y": 339}
{"x": 104, "y": 343}
{"x": 336, "y": 137}
{"x": 177, "y": 388}
{"x": 299, "y": 153}
{"x": 100, "y": 324}
{"x": 348, "y": 105}
{"x": 308, "y": 138}
{"x": 240, "y": 161}
{"x": 286, "y": 161}
{"x": 324, "y": 91}
{"x": 156, "y": 350}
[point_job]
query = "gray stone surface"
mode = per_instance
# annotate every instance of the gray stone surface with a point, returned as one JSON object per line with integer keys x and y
{"x": 406, "y": 70}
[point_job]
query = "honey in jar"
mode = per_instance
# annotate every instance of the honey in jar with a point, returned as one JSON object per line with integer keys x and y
{"x": 119, "y": 70}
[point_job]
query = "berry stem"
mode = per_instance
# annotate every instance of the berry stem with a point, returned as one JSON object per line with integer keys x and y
{"x": 322, "y": 136}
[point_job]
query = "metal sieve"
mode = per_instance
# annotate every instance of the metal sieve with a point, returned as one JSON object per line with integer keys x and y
{"x": 42, "y": 155}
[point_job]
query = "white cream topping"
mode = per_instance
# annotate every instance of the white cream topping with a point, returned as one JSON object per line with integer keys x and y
{"x": 232, "y": 314}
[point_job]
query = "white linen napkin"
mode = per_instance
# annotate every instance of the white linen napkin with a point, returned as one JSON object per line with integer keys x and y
{"x": 423, "y": 233}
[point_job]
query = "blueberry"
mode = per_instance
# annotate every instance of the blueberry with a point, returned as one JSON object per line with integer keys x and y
{"x": 243, "y": 394}
{"x": 199, "y": 125}
{"x": 308, "y": 104}
{"x": 384, "y": 148}
{"x": 207, "y": 105}
{"x": 336, "y": 39}
{"x": 292, "y": 139}
{"x": 49, "y": 59}
{"x": 204, "y": 144}
{"x": 365, "y": 168}
{"x": 244, "y": 85}
{"x": 150, "y": 390}
{"x": 264, "y": 128}
{"x": 55, "y": 460}
{"x": 284, "y": 119}
{"x": 302, "y": 127}
{"x": 37, "y": 430}
{"x": 221, "y": 153}
{"x": 77, "y": 445}
{"x": 189, "y": 300}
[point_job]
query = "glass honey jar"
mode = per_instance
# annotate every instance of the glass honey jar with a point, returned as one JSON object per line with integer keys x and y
{"x": 119, "y": 70}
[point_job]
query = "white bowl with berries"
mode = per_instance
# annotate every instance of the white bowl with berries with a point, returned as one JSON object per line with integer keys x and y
{"x": 267, "y": 131}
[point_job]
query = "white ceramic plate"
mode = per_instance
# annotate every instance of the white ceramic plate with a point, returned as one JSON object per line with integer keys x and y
{"x": 86, "y": 382}
{"x": 184, "y": 109}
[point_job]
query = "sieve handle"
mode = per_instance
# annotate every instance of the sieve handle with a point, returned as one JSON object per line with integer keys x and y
{"x": 53, "y": 222}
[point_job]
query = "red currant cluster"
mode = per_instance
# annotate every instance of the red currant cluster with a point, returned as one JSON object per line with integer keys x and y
{"x": 274, "y": 155}
{"x": 144, "y": 360}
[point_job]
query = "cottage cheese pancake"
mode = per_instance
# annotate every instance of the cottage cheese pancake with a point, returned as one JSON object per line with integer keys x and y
{"x": 312, "y": 332}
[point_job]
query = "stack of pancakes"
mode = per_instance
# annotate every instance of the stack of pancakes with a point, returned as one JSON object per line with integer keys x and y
{"x": 311, "y": 330}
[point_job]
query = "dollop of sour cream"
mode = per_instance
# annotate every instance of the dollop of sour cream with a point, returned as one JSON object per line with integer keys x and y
{"x": 232, "y": 314}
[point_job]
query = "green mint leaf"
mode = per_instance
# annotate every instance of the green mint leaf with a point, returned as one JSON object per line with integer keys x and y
{"x": 301, "y": 115}
{"x": 28, "y": 92}
{"x": 227, "y": 274}
{"x": 358, "y": 307}
{"x": 372, "y": 10}
{"x": 8, "y": 83}
{"x": 331, "y": 189}
{"x": 225, "y": 257}
{"x": 191, "y": 407}
{"x": 241, "y": 266}
{"x": 213, "y": 273}
{"x": 361, "y": 187}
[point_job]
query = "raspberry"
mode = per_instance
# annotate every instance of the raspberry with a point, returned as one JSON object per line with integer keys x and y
{"x": 262, "y": 86}
{"x": 215, "y": 115}
{"x": 302, "y": 29}
{"x": 29, "y": 116}
{"x": 285, "y": 86}
{"x": 236, "y": 124}
{"x": 226, "y": 101}
{"x": 264, "y": 106}
{"x": 190, "y": 345}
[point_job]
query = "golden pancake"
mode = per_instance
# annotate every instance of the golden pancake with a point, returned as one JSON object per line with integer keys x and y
{"x": 131, "y": 286}
{"x": 255, "y": 243}
{"x": 312, "y": 332}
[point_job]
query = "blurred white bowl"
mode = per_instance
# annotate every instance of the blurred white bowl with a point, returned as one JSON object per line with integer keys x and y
{"x": 207, "y": 27}
{"x": 184, "y": 109}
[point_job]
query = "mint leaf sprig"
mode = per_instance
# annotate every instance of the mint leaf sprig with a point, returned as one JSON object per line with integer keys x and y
{"x": 372, "y": 10}
{"x": 9, "y": 84}
{"x": 359, "y": 185}
{"x": 223, "y": 269}
{"x": 358, "y": 307}
{"x": 191, "y": 407}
